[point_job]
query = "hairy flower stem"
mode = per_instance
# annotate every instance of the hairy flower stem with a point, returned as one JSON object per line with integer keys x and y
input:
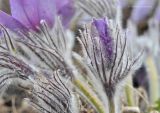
{"x": 129, "y": 92}
{"x": 153, "y": 77}
{"x": 111, "y": 105}
{"x": 93, "y": 99}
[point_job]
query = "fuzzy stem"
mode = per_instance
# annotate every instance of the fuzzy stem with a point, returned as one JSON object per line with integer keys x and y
{"x": 129, "y": 92}
{"x": 111, "y": 106}
{"x": 93, "y": 99}
{"x": 153, "y": 77}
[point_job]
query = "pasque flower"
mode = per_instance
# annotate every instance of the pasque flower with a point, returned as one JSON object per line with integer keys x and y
{"x": 65, "y": 9}
{"x": 106, "y": 54}
{"x": 27, "y": 14}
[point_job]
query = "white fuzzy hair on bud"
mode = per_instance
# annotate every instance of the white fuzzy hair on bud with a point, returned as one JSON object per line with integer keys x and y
{"x": 43, "y": 59}
{"x": 94, "y": 59}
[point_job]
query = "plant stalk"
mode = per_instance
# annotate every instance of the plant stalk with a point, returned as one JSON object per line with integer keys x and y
{"x": 111, "y": 105}
{"x": 153, "y": 77}
{"x": 129, "y": 92}
{"x": 93, "y": 99}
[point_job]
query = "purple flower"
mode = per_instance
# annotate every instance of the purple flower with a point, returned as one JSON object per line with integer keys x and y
{"x": 142, "y": 9}
{"x": 105, "y": 38}
{"x": 11, "y": 23}
{"x": 27, "y": 14}
{"x": 106, "y": 54}
{"x": 65, "y": 9}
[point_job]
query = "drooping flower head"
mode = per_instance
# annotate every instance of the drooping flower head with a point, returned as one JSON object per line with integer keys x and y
{"x": 27, "y": 14}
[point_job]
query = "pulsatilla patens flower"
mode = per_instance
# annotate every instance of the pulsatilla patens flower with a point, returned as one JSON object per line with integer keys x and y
{"x": 49, "y": 50}
{"x": 43, "y": 62}
{"x": 27, "y": 14}
{"x": 65, "y": 9}
{"x": 106, "y": 55}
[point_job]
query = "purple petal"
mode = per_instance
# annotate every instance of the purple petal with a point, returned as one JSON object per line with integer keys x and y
{"x": 142, "y": 9}
{"x": 66, "y": 10}
{"x": 47, "y": 11}
{"x": 30, "y": 12}
{"x": 26, "y": 12}
{"x": 103, "y": 31}
{"x": 11, "y": 23}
